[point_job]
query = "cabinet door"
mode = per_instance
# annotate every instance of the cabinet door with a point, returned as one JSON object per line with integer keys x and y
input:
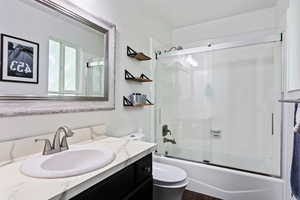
{"x": 143, "y": 193}
{"x": 143, "y": 169}
{"x": 132, "y": 183}
{"x": 112, "y": 188}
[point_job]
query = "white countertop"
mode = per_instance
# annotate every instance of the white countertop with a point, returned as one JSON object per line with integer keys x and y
{"x": 16, "y": 186}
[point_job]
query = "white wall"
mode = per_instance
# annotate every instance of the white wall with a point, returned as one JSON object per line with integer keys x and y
{"x": 228, "y": 28}
{"x": 293, "y": 41}
{"x": 293, "y": 61}
{"x": 134, "y": 29}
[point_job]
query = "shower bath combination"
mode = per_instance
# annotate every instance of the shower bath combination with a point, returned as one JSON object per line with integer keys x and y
{"x": 215, "y": 98}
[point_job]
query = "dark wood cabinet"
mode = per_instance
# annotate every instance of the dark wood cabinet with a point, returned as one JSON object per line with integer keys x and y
{"x": 135, "y": 182}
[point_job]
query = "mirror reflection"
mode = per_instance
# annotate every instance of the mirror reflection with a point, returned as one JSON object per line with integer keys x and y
{"x": 76, "y": 67}
{"x": 46, "y": 53}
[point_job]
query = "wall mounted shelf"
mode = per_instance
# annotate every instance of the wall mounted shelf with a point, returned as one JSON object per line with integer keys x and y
{"x": 139, "y": 56}
{"x": 142, "y": 78}
{"x": 128, "y": 103}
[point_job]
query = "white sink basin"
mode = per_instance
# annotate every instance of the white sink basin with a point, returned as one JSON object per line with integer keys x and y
{"x": 73, "y": 162}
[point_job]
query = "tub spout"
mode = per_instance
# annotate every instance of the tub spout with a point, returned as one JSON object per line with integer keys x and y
{"x": 169, "y": 140}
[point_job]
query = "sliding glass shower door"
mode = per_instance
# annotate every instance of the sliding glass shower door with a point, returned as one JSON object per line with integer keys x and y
{"x": 222, "y": 107}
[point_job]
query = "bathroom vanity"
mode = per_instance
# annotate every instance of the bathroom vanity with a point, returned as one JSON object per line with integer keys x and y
{"x": 133, "y": 183}
{"x": 128, "y": 176}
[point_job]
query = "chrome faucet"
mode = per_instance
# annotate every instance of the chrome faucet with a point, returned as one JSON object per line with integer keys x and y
{"x": 165, "y": 130}
{"x": 57, "y": 145}
{"x": 172, "y": 141}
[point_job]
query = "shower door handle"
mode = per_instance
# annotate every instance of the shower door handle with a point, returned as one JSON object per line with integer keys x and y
{"x": 272, "y": 123}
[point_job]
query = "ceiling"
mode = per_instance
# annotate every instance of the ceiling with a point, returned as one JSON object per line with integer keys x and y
{"x": 179, "y": 13}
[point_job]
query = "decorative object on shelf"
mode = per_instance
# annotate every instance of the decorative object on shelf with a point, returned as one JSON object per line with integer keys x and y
{"x": 129, "y": 103}
{"x": 139, "y": 56}
{"x": 142, "y": 78}
{"x": 138, "y": 98}
{"x": 19, "y": 60}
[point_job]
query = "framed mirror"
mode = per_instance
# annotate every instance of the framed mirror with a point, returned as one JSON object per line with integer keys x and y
{"x": 53, "y": 50}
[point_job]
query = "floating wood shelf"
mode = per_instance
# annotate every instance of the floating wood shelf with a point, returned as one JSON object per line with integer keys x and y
{"x": 139, "y": 56}
{"x": 142, "y": 78}
{"x": 139, "y": 80}
{"x": 128, "y": 103}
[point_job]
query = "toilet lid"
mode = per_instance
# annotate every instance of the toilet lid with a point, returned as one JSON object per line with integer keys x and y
{"x": 167, "y": 173}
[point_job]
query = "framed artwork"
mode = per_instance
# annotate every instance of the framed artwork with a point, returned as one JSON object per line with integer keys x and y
{"x": 19, "y": 60}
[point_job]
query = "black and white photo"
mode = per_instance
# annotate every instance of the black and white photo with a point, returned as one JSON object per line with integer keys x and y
{"x": 19, "y": 60}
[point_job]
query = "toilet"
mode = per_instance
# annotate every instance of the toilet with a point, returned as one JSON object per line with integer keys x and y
{"x": 169, "y": 182}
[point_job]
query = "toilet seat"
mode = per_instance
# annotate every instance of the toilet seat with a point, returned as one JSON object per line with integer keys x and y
{"x": 168, "y": 176}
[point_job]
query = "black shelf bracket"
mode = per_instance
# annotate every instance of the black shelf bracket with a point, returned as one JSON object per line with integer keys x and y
{"x": 127, "y": 102}
{"x": 128, "y": 75}
{"x": 139, "y": 56}
{"x": 149, "y": 102}
{"x": 142, "y": 78}
{"x": 131, "y": 52}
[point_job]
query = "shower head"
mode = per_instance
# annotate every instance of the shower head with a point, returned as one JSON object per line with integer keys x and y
{"x": 175, "y": 48}
{"x": 179, "y": 48}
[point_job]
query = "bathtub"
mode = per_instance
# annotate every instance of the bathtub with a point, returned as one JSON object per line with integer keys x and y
{"x": 228, "y": 184}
